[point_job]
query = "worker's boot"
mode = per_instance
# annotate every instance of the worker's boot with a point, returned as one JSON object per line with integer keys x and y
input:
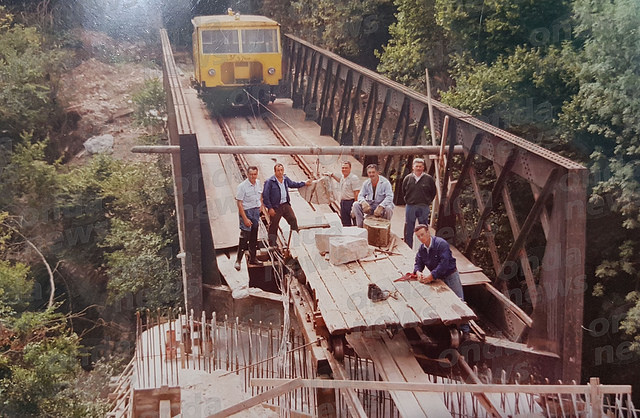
{"x": 238, "y": 259}
{"x": 242, "y": 245}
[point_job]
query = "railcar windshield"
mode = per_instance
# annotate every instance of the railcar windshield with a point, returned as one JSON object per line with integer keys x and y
{"x": 259, "y": 40}
{"x": 219, "y": 41}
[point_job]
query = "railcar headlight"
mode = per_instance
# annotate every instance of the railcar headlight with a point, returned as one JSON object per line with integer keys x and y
{"x": 211, "y": 72}
{"x": 271, "y": 71}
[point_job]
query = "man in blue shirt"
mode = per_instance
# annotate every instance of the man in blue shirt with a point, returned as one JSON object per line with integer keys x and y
{"x": 435, "y": 255}
{"x": 376, "y": 196}
{"x": 276, "y": 199}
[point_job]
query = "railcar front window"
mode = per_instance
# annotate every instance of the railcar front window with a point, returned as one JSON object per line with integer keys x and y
{"x": 259, "y": 40}
{"x": 220, "y": 42}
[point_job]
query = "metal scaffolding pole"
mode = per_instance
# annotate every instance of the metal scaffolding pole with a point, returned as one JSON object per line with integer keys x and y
{"x": 301, "y": 150}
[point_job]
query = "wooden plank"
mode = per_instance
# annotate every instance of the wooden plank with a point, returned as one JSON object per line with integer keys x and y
{"x": 406, "y": 402}
{"x": 235, "y": 279}
{"x": 276, "y": 391}
{"x": 462, "y": 263}
{"x": 350, "y": 395}
{"x": 470, "y": 279}
{"x": 333, "y": 284}
{"x": 409, "y": 305}
{"x": 378, "y": 315}
{"x": 432, "y": 403}
{"x": 332, "y": 316}
{"x": 445, "y": 387}
{"x": 447, "y": 305}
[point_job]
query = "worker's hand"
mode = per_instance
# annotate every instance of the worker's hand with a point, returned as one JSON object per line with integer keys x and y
{"x": 366, "y": 208}
{"x": 327, "y": 174}
{"x": 308, "y": 182}
{"x": 247, "y": 222}
{"x": 424, "y": 278}
{"x": 379, "y": 211}
{"x": 272, "y": 212}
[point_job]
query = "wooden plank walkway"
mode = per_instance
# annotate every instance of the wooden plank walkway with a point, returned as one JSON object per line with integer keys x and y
{"x": 341, "y": 290}
{"x": 395, "y": 363}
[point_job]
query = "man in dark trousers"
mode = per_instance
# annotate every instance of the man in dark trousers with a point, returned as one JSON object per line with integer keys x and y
{"x": 249, "y": 200}
{"x": 276, "y": 199}
{"x": 419, "y": 189}
{"x": 435, "y": 254}
{"x": 349, "y": 189}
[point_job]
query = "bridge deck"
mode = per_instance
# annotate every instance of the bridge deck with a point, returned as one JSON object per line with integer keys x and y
{"x": 341, "y": 291}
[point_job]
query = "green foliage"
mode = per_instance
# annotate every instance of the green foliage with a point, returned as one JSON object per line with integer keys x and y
{"x": 489, "y": 28}
{"x": 352, "y": 28}
{"x": 417, "y": 42}
{"x": 28, "y": 178}
{"x": 28, "y": 73}
{"x": 135, "y": 263}
{"x": 150, "y": 103}
{"x": 15, "y": 287}
{"x": 522, "y": 92}
{"x": 38, "y": 364}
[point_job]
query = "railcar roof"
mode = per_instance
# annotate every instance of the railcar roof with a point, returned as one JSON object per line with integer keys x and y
{"x": 226, "y": 20}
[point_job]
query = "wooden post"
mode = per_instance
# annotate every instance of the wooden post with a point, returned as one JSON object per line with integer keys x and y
{"x": 595, "y": 397}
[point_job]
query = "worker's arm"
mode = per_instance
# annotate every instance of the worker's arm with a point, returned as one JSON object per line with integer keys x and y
{"x": 445, "y": 258}
{"x": 387, "y": 202}
{"x": 366, "y": 189}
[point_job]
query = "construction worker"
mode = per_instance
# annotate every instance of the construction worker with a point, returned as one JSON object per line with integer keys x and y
{"x": 435, "y": 254}
{"x": 419, "y": 189}
{"x": 276, "y": 199}
{"x": 249, "y": 200}
{"x": 349, "y": 189}
{"x": 376, "y": 197}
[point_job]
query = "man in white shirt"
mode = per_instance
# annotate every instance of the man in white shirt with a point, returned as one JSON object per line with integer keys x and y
{"x": 249, "y": 200}
{"x": 349, "y": 188}
{"x": 376, "y": 196}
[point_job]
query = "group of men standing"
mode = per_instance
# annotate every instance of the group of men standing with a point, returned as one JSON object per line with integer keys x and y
{"x": 374, "y": 197}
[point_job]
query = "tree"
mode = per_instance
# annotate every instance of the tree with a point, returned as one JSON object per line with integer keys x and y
{"x": 603, "y": 119}
{"x": 28, "y": 74}
{"x": 417, "y": 42}
{"x": 489, "y": 28}
{"x": 523, "y": 92}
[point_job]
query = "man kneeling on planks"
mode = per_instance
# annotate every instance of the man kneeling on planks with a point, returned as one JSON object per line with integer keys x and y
{"x": 435, "y": 254}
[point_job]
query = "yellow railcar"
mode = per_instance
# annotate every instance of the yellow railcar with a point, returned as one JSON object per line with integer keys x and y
{"x": 237, "y": 57}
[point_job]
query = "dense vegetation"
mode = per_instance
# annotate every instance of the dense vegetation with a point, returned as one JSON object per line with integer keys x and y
{"x": 81, "y": 246}
{"x": 564, "y": 74}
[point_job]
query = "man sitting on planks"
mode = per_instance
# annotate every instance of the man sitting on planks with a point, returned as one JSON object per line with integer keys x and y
{"x": 419, "y": 189}
{"x": 376, "y": 196}
{"x": 276, "y": 199}
{"x": 435, "y": 254}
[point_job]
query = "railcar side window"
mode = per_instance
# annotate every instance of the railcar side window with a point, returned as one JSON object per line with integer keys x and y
{"x": 259, "y": 40}
{"x": 220, "y": 41}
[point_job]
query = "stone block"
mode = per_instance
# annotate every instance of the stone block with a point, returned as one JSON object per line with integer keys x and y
{"x": 323, "y": 236}
{"x": 347, "y": 249}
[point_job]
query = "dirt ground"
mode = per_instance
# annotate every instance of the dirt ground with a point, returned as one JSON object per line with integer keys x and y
{"x": 99, "y": 92}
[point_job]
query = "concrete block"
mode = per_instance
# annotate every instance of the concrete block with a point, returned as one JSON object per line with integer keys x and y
{"x": 347, "y": 249}
{"x": 323, "y": 236}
